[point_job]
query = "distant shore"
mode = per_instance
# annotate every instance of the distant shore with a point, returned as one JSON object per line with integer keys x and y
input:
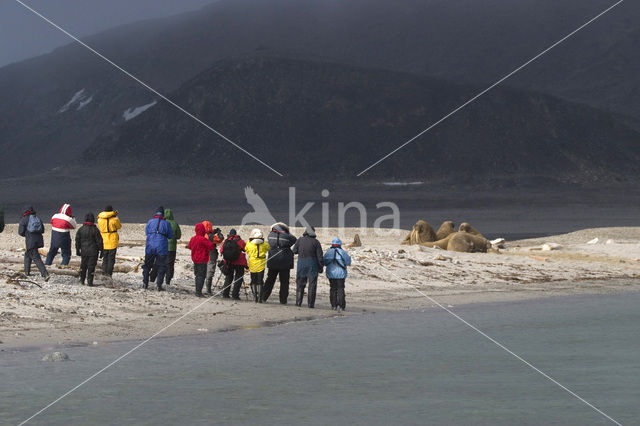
{"x": 384, "y": 277}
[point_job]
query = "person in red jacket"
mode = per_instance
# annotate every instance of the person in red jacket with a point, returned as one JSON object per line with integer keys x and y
{"x": 232, "y": 251}
{"x": 200, "y": 247}
{"x": 61, "y": 225}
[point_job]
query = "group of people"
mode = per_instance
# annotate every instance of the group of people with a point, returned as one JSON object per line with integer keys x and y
{"x": 93, "y": 240}
{"x": 275, "y": 254}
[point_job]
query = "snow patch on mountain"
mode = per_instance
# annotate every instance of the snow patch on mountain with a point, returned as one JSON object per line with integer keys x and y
{"x": 79, "y": 96}
{"x": 84, "y": 103}
{"x": 402, "y": 183}
{"x": 132, "y": 113}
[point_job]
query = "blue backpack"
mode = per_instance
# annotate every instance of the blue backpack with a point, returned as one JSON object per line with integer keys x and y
{"x": 337, "y": 257}
{"x": 35, "y": 225}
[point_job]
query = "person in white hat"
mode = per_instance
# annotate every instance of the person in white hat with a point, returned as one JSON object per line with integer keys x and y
{"x": 257, "y": 249}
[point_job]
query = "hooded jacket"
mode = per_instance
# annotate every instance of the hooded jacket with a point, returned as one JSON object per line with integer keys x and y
{"x": 336, "y": 260}
{"x": 280, "y": 243}
{"x": 88, "y": 239}
{"x": 32, "y": 240}
{"x": 158, "y": 233}
{"x": 257, "y": 249}
{"x": 108, "y": 224}
{"x": 63, "y": 221}
{"x": 242, "y": 259}
{"x": 309, "y": 251}
{"x": 177, "y": 233}
{"x": 215, "y": 238}
{"x": 200, "y": 245}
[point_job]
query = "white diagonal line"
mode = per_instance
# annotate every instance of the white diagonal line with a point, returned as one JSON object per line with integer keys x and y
{"x": 146, "y": 86}
{"x": 506, "y": 349}
{"x": 491, "y": 87}
{"x": 138, "y": 346}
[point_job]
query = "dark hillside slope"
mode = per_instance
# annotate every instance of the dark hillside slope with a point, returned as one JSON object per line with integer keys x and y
{"x": 312, "y": 120}
{"x": 464, "y": 41}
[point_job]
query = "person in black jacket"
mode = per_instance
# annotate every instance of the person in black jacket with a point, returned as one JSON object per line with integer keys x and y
{"x": 33, "y": 241}
{"x": 280, "y": 261}
{"x": 310, "y": 264}
{"x": 1, "y": 219}
{"x": 88, "y": 247}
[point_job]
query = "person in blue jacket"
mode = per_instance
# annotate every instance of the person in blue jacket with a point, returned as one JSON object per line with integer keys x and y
{"x": 336, "y": 261}
{"x": 159, "y": 232}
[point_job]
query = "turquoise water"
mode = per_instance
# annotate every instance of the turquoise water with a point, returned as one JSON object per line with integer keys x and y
{"x": 414, "y": 367}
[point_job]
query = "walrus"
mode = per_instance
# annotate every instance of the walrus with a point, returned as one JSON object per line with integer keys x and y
{"x": 422, "y": 232}
{"x": 461, "y": 241}
{"x": 465, "y": 227}
{"x": 447, "y": 228}
{"x": 357, "y": 242}
{"x": 466, "y": 242}
{"x": 443, "y": 243}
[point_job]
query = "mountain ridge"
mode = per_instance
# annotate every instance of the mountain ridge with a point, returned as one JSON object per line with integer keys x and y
{"x": 465, "y": 43}
{"x": 268, "y": 104}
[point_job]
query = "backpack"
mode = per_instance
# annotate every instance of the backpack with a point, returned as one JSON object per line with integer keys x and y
{"x": 35, "y": 225}
{"x": 230, "y": 250}
{"x": 158, "y": 228}
{"x": 340, "y": 261}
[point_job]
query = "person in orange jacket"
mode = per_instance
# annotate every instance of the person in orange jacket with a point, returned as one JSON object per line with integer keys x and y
{"x": 214, "y": 235}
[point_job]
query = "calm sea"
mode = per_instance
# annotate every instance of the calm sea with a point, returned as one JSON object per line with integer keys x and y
{"x": 413, "y": 367}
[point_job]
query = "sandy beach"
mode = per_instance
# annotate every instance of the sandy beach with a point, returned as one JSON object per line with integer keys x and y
{"x": 384, "y": 276}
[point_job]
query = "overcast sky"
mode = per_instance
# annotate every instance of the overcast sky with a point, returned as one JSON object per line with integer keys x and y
{"x": 23, "y": 34}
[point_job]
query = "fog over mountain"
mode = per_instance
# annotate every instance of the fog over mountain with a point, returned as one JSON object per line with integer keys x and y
{"x": 23, "y": 34}
{"x": 353, "y": 78}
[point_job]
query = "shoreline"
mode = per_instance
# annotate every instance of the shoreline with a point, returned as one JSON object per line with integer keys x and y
{"x": 450, "y": 300}
{"x": 384, "y": 277}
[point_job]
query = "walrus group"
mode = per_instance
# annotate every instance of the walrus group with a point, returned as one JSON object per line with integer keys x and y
{"x": 465, "y": 240}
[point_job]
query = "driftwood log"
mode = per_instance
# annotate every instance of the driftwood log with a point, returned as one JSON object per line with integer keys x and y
{"x": 73, "y": 267}
{"x": 17, "y": 278}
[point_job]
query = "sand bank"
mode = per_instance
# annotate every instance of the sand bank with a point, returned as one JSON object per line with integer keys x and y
{"x": 384, "y": 276}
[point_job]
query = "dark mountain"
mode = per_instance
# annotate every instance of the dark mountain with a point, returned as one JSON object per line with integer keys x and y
{"x": 313, "y": 120}
{"x": 466, "y": 42}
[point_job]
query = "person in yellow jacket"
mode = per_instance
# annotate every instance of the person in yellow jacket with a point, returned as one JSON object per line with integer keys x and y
{"x": 257, "y": 249}
{"x": 108, "y": 224}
